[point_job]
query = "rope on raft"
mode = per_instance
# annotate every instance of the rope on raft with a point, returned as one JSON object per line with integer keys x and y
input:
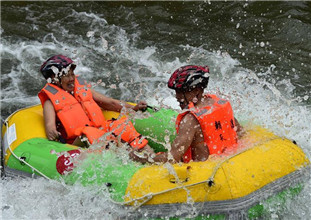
{"x": 149, "y": 196}
{"x": 19, "y": 158}
{"x": 209, "y": 181}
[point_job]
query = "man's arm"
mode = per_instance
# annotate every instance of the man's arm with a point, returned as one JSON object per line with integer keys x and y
{"x": 111, "y": 104}
{"x": 187, "y": 129}
{"x": 50, "y": 121}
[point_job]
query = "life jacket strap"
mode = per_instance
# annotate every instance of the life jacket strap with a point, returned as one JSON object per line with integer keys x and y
{"x": 126, "y": 131}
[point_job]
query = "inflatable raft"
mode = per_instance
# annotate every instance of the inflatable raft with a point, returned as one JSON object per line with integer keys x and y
{"x": 266, "y": 167}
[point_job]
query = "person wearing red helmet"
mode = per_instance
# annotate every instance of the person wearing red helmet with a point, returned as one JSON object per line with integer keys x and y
{"x": 71, "y": 109}
{"x": 206, "y": 126}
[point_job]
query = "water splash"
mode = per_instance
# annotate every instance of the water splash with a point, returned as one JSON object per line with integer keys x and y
{"x": 137, "y": 72}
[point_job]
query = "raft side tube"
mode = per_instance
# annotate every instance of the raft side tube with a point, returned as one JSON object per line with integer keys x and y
{"x": 233, "y": 176}
{"x": 284, "y": 188}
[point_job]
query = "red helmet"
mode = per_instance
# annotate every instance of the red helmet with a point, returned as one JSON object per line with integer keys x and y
{"x": 57, "y": 65}
{"x": 189, "y": 77}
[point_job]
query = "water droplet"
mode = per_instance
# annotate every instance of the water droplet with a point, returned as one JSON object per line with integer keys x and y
{"x": 262, "y": 44}
{"x": 113, "y": 86}
{"x": 90, "y": 34}
{"x": 104, "y": 43}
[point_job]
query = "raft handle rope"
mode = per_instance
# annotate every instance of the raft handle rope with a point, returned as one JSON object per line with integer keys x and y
{"x": 20, "y": 159}
{"x": 210, "y": 181}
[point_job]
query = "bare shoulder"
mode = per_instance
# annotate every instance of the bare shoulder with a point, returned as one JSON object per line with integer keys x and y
{"x": 189, "y": 120}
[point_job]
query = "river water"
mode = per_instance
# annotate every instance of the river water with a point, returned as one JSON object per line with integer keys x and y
{"x": 258, "y": 52}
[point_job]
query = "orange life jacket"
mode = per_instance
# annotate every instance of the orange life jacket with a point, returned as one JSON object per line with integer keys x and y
{"x": 74, "y": 111}
{"x": 217, "y": 125}
{"x": 79, "y": 114}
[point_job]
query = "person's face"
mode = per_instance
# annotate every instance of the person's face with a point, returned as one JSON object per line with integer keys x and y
{"x": 68, "y": 81}
{"x": 181, "y": 98}
{"x": 188, "y": 96}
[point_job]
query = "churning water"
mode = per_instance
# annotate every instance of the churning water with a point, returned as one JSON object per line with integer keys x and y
{"x": 258, "y": 52}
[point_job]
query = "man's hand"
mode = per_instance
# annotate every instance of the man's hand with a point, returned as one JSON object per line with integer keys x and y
{"x": 142, "y": 105}
{"x": 52, "y": 133}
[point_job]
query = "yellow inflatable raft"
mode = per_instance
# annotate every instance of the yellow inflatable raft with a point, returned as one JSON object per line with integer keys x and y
{"x": 265, "y": 166}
